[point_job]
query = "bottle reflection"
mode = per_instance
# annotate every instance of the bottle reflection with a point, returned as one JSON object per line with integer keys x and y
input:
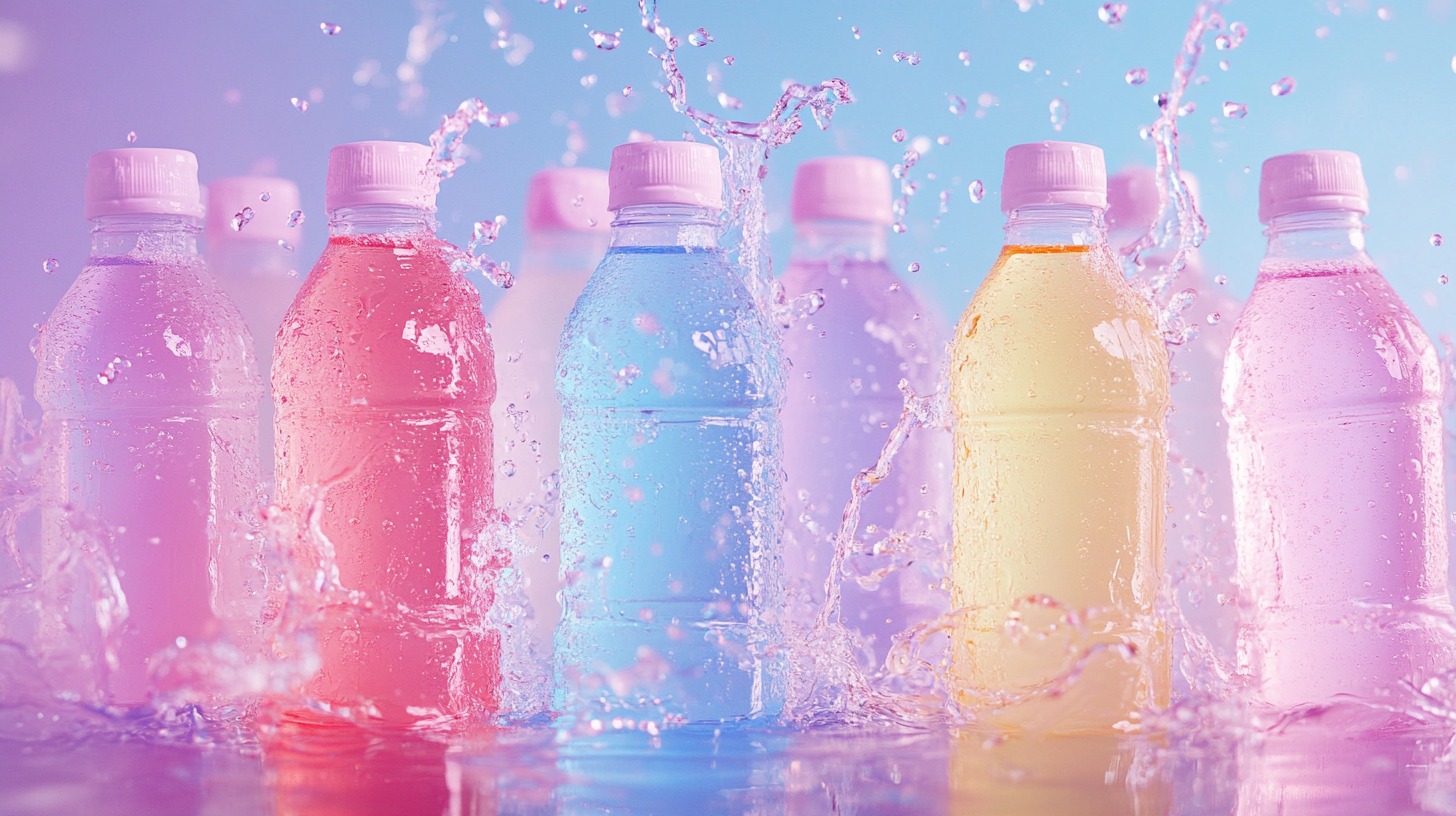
{"x": 1088, "y": 775}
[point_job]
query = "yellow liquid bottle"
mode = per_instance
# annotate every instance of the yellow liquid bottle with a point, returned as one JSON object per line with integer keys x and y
{"x": 1059, "y": 381}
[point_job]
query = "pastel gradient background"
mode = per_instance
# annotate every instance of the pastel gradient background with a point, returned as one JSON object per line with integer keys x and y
{"x": 217, "y": 78}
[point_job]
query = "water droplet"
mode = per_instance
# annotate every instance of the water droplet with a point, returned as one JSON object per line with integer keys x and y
{"x": 1221, "y": 280}
{"x": 700, "y": 38}
{"x": 1058, "y": 110}
{"x": 1213, "y": 318}
{"x": 589, "y": 81}
{"x": 1436, "y": 239}
{"x": 1235, "y": 110}
{"x": 1136, "y": 76}
{"x": 907, "y": 57}
{"x": 898, "y": 135}
{"x": 1384, "y": 13}
{"x": 284, "y": 245}
{"x": 606, "y": 40}
{"x": 508, "y": 468}
{"x": 264, "y": 196}
{"x": 331, "y": 29}
{"x": 965, "y": 58}
{"x": 913, "y": 267}
{"x": 977, "y": 190}
{"x": 1284, "y": 87}
{"x": 942, "y": 140}
{"x": 295, "y": 218}
{"x": 728, "y": 60}
{"x": 855, "y": 31}
{"x": 957, "y": 105}
{"x": 131, "y": 137}
{"x": 50, "y": 265}
{"x": 1026, "y": 65}
{"x": 580, "y": 9}
{"x": 301, "y": 104}
{"x": 1443, "y": 279}
{"x": 1112, "y": 13}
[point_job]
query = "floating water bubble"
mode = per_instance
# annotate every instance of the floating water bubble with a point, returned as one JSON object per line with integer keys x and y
{"x": 331, "y": 29}
{"x": 589, "y": 81}
{"x": 855, "y": 31}
{"x": 965, "y": 58}
{"x": 1443, "y": 279}
{"x": 1161, "y": 99}
{"x": 50, "y": 265}
{"x": 1284, "y": 87}
{"x": 606, "y": 40}
{"x": 1235, "y": 110}
{"x": 1136, "y": 76}
{"x": 728, "y": 60}
{"x": 1213, "y": 318}
{"x": 241, "y": 219}
{"x": 977, "y": 190}
{"x": 1058, "y": 110}
{"x": 131, "y": 137}
{"x": 1112, "y": 13}
{"x": 1026, "y": 65}
{"x": 913, "y": 267}
{"x": 898, "y": 135}
{"x": 1436, "y": 239}
{"x": 264, "y": 196}
{"x": 284, "y": 245}
{"x": 942, "y": 140}
{"x": 1221, "y": 280}
{"x": 295, "y": 218}
{"x": 700, "y": 38}
{"x": 907, "y": 57}
{"x": 957, "y": 105}
{"x": 580, "y": 9}
{"x": 300, "y": 103}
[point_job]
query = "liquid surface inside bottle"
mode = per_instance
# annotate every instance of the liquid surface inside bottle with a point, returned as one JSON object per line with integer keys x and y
{"x": 383, "y": 380}
{"x": 1333, "y": 397}
{"x": 671, "y": 383}
{"x": 1060, "y": 389}
{"x": 150, "y": 392}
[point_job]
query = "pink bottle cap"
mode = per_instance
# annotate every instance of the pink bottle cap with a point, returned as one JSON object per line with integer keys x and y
{"x": 665, "y": 173}
{"x": 142, "y": 180}
{"x": 226, "y": 198}
{"x": 568, "y": 199}
{"x": 842, "y": 188}
{"x": 1311, "y": 180}
{"x": 362, "y": 173}
{"x": 1054, "y": 173}
{"x": 1132, "y": 197}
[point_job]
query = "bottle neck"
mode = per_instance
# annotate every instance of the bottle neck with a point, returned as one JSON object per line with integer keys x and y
{"x": 657, "y": 225}
{"x": 381, "y": 219}
{"x": 1055, "y": 225}
{"x": 146, "y": 235}
{"x": 853, "y": 240}
{"x": 1322, "y": 235}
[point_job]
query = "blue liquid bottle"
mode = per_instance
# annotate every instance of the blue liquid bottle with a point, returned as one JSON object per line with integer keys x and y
{"x": 671, "y": 382}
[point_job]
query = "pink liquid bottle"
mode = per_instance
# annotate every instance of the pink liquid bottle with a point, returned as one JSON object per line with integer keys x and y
{"x": 1200, "y": 492}
{"x": 250, "y": 246}
{"x": 1333, "y": 398}
{"x": 383, "y": 378}
{"x": 567, "y": 229}
{"x": 843, "y": 398}
{"x": 150, "y": 396}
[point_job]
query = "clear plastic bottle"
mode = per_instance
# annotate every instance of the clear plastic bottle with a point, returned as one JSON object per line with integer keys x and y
{"x": 843, "y": 397}
{"x": 256, "y": 263}
{"x": 671, "y": 381}
{"x": 150, "y": 396}
{"x": 567, "y": 227}
{"x": 1333, "y": 398}
{"x": 1059, "y": 384}
{"x": 383, "y": 379}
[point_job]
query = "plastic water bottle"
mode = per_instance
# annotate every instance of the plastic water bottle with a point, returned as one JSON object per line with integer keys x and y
{"x": 843, "y": 396}
{"x": 250, "y": 247}
{"x": 150, "y": 396}
{"x": 383, "y": 380}
{"x": 671, "y": 381}
{"x": 1200, "y": 496}
{"x": 1059, "y": 383}
{"x": 1333, "y": 398}
{"x": 567, "y": 225}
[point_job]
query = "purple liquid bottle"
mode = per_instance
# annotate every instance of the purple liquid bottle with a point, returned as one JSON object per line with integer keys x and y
{"x": 150, "y": 397}
{"x": 1333, "y": 398}
{"x": 843, "y": 397}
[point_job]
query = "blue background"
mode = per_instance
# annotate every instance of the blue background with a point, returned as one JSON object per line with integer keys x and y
{"x": 217, "y": 78}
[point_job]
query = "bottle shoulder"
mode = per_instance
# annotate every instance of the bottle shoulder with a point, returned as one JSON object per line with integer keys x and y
{"x": 1059, "y": 329}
